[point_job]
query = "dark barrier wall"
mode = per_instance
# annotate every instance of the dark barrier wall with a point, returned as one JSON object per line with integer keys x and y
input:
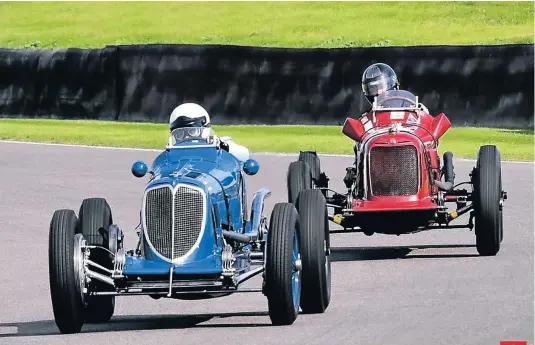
{"x": 473, "y": 85}
{"x": 66, "y": 83}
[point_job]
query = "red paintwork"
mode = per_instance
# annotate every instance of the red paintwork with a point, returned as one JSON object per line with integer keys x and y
{"x": 424, "y": 137}
{"x": 394, "y": 203}
{"x": 353, "y": 129}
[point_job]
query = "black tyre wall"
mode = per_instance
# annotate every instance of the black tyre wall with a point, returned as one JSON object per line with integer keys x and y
{"x": 284, "y": 221}
{"x": 299, "y": 178}
{"x": 313, "y": 161}
{"x": 487, "y": 195}
{"x": 67, "y": 303}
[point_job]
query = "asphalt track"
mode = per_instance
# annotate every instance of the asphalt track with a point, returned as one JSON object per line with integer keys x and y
{"x": 427, "y": 288}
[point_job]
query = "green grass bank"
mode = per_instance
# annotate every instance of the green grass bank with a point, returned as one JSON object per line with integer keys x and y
{"x": 268, "y": 24}
{"x": 462, "y": 141}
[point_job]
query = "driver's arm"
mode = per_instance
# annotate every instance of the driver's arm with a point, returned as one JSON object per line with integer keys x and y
{"x": 240, "y": 152}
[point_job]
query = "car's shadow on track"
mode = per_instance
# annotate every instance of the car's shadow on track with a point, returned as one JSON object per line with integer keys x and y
{"x": 136, "y": 323}
{"x": 399, "y": 252}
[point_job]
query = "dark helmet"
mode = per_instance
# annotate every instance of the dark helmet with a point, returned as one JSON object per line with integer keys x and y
{"x": 377, "y": 79}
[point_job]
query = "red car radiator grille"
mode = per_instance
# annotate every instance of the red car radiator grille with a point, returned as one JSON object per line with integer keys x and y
{"x": 394, "y": 170}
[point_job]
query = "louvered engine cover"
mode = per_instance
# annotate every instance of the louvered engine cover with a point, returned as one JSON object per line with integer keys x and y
{"x": 173, "y": 223}
{"x": 393, "y": 170}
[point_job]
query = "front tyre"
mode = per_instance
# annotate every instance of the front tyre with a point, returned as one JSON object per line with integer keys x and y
{"x": 282, "y": 274}
{"x": 488, "y": 201}
{"x": 95, "y": 220}
{"x": 67, "y": 302}
{"x": 315, "y": 252}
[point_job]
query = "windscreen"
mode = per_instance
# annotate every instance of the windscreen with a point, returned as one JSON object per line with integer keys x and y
{"x": 396, "y": 99}
{"x": 192, "y": 136}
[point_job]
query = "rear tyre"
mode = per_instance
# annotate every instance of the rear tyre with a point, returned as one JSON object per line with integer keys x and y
{"x": 313, "y": 161}
{"x": 95, "y": 220}
{"x": 487, "y": 201}
{"x": 282, "y": 275}
{"x": 315, "y": 252}
{"x": 299, "y": 178}
{"x": 67, "y": 301}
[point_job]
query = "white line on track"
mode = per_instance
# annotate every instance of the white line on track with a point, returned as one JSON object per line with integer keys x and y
{"x": 274, "y": 154}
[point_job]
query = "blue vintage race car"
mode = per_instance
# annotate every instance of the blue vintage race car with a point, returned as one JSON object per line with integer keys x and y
{"x": 196, "y": 240}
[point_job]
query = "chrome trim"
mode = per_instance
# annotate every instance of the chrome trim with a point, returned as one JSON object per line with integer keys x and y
{"x": 227, "y": 260}
{"x": 134, "y": 292}
{"x": 180, "y": 259}
{"x": 100, "y": 277}
{"x": 144, "y": 218}
{"x": 168, "y": 147}
{"x": 416, "y": 105}
{"x": 119, "y": 263}
{"x": 170, "y": 291}
{"x": 94, "y": 264}
{"x": 243, "y": 196}
{"x": 115, "y": 238}
{"x": 79, "y": 257}
{"x": 249, "y": 274}
{"x": 257, "y": 207}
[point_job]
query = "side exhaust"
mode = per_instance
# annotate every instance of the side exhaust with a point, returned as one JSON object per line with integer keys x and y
{"x": 449, "y": 176}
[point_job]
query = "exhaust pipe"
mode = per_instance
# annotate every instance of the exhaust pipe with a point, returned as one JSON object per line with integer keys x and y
{"x": 238, "y": 237}
{"x": 449, "y": 175}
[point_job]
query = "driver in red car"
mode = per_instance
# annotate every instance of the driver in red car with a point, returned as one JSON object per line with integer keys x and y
{"x": 379, "y": 78}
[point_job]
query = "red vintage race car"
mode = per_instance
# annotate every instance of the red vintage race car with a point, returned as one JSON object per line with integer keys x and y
{"x": 398, "y": 185}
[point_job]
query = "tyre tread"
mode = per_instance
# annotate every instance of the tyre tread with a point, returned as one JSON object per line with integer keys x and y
{"x": 279, "y": 265}
{"x": 299, "y": 178}
{"x": 487, "y": 210}
{"x": 315, "y": 295}
{"x": 67, "y": 304}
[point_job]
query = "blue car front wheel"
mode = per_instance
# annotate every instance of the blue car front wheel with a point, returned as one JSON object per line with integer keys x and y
{"x": 283, "y": 265}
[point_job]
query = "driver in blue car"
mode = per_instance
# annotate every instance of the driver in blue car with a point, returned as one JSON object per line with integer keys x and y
{"x": 379, "y": 78}
{"x": 193, "y": 115}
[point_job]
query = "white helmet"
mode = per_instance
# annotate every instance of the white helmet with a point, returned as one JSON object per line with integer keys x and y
{"x": 189, "y": 115}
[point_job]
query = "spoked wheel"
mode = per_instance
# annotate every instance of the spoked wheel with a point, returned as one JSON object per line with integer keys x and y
{"x": 95, "y": 220}
{"x": 315, "y": 252}
{"x": 283, "y": 266}
{"x": 488, "y": 201}
{"x": 67, "y": 280}
{"x": 299, "y": 178}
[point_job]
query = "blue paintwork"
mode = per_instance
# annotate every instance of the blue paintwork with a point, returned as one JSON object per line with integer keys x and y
{"x": 251, "y": 167}
{"x": 139, "y": 169}
{"x": 217, "y": 172}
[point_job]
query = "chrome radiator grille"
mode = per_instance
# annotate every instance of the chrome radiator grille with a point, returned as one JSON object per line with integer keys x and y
{"x": 159, "y": 219}
{"x": 173, "y": 223}
{"x": 394, "y": 170}
{"x": 188, "y": 219}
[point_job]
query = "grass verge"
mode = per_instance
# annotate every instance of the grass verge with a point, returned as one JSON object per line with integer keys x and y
{"x": 281, "y": 24}
{"x": 464, "y": 142}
